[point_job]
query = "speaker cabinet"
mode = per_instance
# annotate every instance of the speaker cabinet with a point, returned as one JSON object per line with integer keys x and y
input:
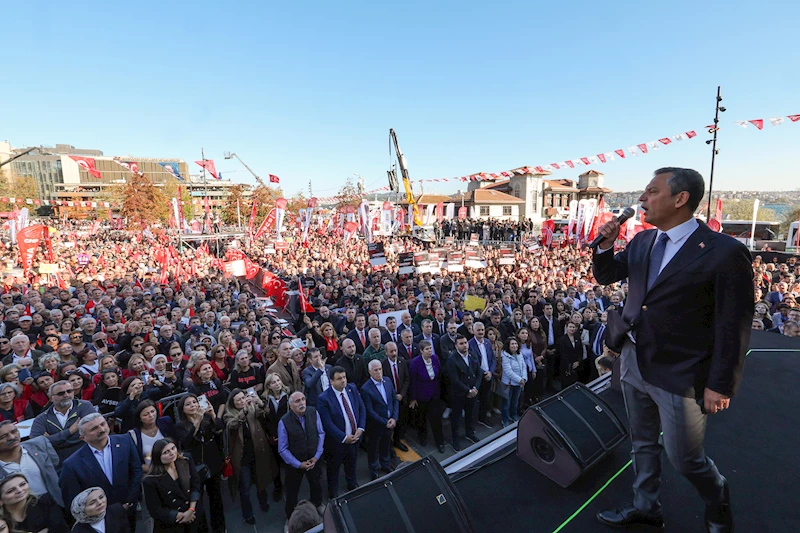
{"x": 566, "y": 434}
{"x": 416, "y": 498}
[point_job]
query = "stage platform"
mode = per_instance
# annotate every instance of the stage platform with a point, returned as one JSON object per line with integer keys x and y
{"x": 754, "y": 443}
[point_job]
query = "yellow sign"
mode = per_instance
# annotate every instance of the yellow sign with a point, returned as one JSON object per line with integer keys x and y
{"x": 48, "y": 268}
{"x": 474, "y": 303}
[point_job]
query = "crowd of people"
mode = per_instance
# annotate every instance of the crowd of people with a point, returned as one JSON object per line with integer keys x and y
{"x": 149, "y": 392}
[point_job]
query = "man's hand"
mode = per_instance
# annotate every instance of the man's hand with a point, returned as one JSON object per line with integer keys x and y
{"x": 487, "y": 376}
{"x": 74, "y": 427}
{"x": 391, "y": 423}
{"x": 350, "y": 439}
{"x": 472, "y": 393}
{"x": 609, "y": 230}
{"x": 358, "y": 434}
{"x": 715, "y": 402}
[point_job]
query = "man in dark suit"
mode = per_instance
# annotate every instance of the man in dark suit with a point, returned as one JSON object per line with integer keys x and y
{"x": 352, "y": 363}
{"x": 408, "y": 348}
{"x": 380, "y": 401}
{"x": 406, "y": 322}
{"x": 344, "y": 418}
{"x": 465, "y": 378}
{"x": 684, "y": 333}
{"x": 428, "y": 335}
{"x": 109, "y": 462}
{"x": 447, "y": 342}
{"x": 396, "y": 369}
{"x": 359, "y": 334}
{"x": 554, "y": 330}
{"x": 315, "y": 376}
{"x": 391, "y": 334}
{"x": 481, "y": 349}
{"x": 440, "y": 323}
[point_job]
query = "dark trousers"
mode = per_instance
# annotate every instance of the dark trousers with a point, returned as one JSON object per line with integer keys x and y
{"x": 279, "y": 464}
{"x": 214, "y": 491}
{"x": 468, "y": 405}
{"x": 402, "y": 422}
{"x": 652, "y": 410}
{"x": 247, "y": 476}
{"x": 485, "y": 399}
{"x": 551, "y": 360}
{"x": 338, "y": 455}
{"x": 379, "y": 446}
{"x": 294, "y": 477}
{"x": 430, "y": 412}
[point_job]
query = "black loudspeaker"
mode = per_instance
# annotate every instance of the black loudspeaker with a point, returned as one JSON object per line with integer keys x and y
{"x": 416, "y": 498}
{"x": 566, "y": 434}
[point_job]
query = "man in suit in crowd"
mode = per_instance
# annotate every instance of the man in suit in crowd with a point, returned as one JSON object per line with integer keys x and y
{"x": 481, "y": 349}
{"x": 110, "y": 462}
{"x": 396, "y": 369}
{"x": 344, "y": 418}
{"x": 468, "y": 322}
{"x": 301, "y": 439}
{"x": 406, "y": 322}
{"x": 465, "y": 378}
{"x": 352, "y": 363}
{"x": 391, "y": 334}
{"x": 440, "y": 323}
{"x": 35, "y": 458}
{"x": 428, "y": 335}
{"x": 684, "y": 333}
{"x": 359, "y": 334}
{"x": 380, "y": 401}
{"x": 554, "y": 330}
{"x": 408, "y": 348}
{"x": 315, "y": 376}
{"x": 447, "y": 342}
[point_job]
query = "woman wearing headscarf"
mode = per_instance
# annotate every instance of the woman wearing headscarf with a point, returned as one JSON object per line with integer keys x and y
{"x": 93, "y": 514}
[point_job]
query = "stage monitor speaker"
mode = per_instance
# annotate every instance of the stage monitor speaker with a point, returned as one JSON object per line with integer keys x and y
{"x": 566, "y": 434}
{"x": 416, "y": 498}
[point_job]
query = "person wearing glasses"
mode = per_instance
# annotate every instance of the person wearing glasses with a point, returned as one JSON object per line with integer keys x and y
{"x": 59, "y": 422}
{"x": 35, "y": 458}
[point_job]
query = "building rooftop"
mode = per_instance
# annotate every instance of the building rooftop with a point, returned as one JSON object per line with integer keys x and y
{"x": 490, "y": 196}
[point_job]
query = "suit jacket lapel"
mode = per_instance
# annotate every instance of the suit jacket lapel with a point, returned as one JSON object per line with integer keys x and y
{"x": 647, "y": 247}
{"x": 91, "y": 463}
{"x": 690, "y": 252}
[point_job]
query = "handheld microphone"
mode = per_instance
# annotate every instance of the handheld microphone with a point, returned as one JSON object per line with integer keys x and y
{"x": 622, "y": 218}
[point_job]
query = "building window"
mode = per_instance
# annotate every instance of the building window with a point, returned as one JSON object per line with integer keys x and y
{"x": 516, "y": 190}
{"x": 506, "y": 210}
{"x": 484, "y": 210}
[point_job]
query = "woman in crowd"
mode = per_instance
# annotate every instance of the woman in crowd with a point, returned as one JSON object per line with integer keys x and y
{"x": 205, "y": 383}
{"x": 762, "y": 313}
{"x": 81, "y": 385}
{"x": 526, "y": 350}
{"x": 515, "y": 376}
{"x": 325, "y": 339}
{"x": 137, "y": 366}
{"x": 87, "y": 361}
{"x": 49, "y": 362}
{"x": 424, "y": 394}
{"x": 25, "y": 512}
{"x": 570, "y": 352}
{"x": 227, "y": 342}
{"x": 149, "y": 350}
{"x": 12, "y": 407}
{"x": 219, "y": 362}
{"x": 299, "y": 359}
{"x": 252, "y": 461}
{"x": 276, "y": 395}
{"x": 167, "y": 377}
{"x": 172, "y": 490}
{"x": 148, "y": 429}
{"x": 244, "y": 375}
{"x": 493, "y": 334}
{"x": 195, "y": 359}
{"x": 92, "y": 513}
{"x": 109, "y": 379}
{"x": 201, "y": 436}
{"x": 135, "y": 392}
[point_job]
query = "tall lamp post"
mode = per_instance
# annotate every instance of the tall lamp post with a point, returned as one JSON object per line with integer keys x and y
{"x": 713, "y": 142}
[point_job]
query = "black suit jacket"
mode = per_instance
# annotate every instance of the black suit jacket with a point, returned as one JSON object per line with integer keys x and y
{"x": 387, "y": 337}
{"x": 356, "y": 338}
{"x": 463, "y": 377}
{"x": 401, "y": 349}
{"x": 435, "y": 339}
{"x": 116, "y": 520}
{"x": 402, "y": 375}
{"x": 448, "y": 347}
{"x": 440, "y": 330}
{"x": 693, "y": 326}
{"x": 355, "y": 369}
{"x": 558, "y": 329}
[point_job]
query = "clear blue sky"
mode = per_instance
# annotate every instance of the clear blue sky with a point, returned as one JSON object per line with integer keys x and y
{"x": 309, "y": 90}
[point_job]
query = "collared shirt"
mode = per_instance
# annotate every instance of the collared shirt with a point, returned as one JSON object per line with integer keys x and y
{"x": 430, "y": 339}
{"x": 551, "y": 337}
{"x": 393, "y": 336}
{"x": 381, "y": 389}
{"x": 283, "y": 441}
{"x": 677, "y": 238}
{"x": 105, "y": 460}
{"x": 30, "y": 469}
{"x": 348, "y": 429}
{"x": 484, "y": 360}
{"x": 63, "y": 418}
{"x": 324, "y": 381}
{"x": 100, "y": 527}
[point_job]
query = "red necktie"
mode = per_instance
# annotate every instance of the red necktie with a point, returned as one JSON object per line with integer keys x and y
{"x": 349, "y": 412}
{"x": 363, "y": 341}
{"x": 396, "y": 381}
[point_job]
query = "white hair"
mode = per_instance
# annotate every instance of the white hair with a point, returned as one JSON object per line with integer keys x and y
{"x": 374, "y": 363}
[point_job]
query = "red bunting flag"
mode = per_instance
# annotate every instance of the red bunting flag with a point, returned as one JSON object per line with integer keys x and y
{"x": 585, "y": 161}
{"x": 665, "y": 141}
{"x": 643, "y": 148}
{"x": 87, "y": 163}
{"x": 794, "y": 118}
{"x": 620, "y": 153}
{"x": 601, "y": 157}
{"x": 570, "y": 164}
{"x": 555, "y": 166}
{"x": 691, "y": 134}
{"x": 758, "y": 123}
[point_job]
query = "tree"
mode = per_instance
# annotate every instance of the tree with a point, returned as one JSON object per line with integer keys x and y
{"x": 296, "y": 203}
{"x": 236, "y": 203}
{"x": 143, "y": 201}
{"x": 12, "y": 186}
{"x": 743, "y": 210}
{"x": 793, "y": 215}
{"x": 347, "y": 195}
{"x": 171, "y": 187}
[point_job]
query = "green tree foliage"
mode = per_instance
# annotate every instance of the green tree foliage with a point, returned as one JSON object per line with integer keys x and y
{"x": 234, "y": 203}
{"x": 347, "y": 195}
{"x": 790, "y": 216}
{"x": 743, "y": 210}
{"x": 13, "y": 186}
{"x": 142, "y": 201}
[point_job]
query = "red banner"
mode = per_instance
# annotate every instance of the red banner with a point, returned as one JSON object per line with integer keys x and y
{"x": 253, "y": 214}
{"x": 208, "y": 164}
{"x": 28, "y": 240}
{"x": 548, "y": 227}
{"x": 269, "y": 221}
{"x": 87, "y": 163}
{"x": 462, "y": 212}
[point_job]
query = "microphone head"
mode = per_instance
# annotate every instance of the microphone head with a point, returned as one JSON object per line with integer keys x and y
{"x": 626, "y": 214}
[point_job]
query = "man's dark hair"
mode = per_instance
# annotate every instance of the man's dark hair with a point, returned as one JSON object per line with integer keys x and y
{"x": 685, "y": 179}
{"x": 336, "y": 370}
{"x": 459, "y": 337}
{"x": 304, "y": 517}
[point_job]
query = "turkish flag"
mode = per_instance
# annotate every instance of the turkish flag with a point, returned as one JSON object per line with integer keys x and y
{"x": 87, "y": 163}
{"x": 274, "y": 179}
{"x": 208, "y": 164}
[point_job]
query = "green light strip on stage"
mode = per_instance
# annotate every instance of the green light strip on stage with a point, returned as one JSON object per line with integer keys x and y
{"x": 591, "y": 499}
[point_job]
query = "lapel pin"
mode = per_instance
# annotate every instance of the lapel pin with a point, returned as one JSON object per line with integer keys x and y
{"x": 117, "y": 445}
{"x": 702, "y": 245}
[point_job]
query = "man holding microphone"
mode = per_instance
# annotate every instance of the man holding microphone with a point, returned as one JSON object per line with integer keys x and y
{"x": 683, "y": 335}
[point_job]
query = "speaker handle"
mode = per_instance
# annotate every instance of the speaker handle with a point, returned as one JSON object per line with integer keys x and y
{"x": 554, "y": 438}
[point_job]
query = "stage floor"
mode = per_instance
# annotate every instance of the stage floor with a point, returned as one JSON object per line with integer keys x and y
{"x": 754, "y": 444}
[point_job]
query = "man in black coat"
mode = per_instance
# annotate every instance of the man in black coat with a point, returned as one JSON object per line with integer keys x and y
{"x": 353, "y": 364}
{"x": 465, "y": 375}
{"x": 684, "y": 333}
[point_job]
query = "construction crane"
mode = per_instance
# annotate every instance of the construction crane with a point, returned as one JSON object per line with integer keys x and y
{"x": 231, "y": 155}
{"x": 17, "y": 156}
{"x": 412, "y": 203}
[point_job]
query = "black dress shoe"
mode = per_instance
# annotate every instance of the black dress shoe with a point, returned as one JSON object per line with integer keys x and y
{"x": 456, "y": 445}
{"x": 251, "y": 520}
{"x": 473, "y": 438}
{"x": 373, "y": 476}
{"x": 628, "y": 516}
{"x": 719, "y": 518}
{"x": 276, "y": 496}
{"x": 388, "y": 469}
{"x": 353, "y": 487}
{"x": 402, "y": 447}
{"x": 440, "y": 447}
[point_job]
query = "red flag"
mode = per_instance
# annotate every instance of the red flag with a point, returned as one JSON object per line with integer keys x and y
{"x": 643, "y": 148}
{"x": 274, "y": 179}
{"x": 548, "y": 226}
{"x": 665, "y": 141}
{"x": 304, "y": 305}
{"x": 691, "y": 134}
{"x": 758, "y": 123}
{"x": 87, "y": 163}
{"x": 570, "y": 164}
{"x": 585, "y": 161}
{"x": 620, "y": 153}
{"x": 794, "y": 118}
{"x": 601, "y": 157}
{"x": 268, "y": 222}
{"x": 440, "y": 211}
{"x": 462, "y": 212}
{"x": 555, "y": 166}
{"x": 208, "y": 164}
